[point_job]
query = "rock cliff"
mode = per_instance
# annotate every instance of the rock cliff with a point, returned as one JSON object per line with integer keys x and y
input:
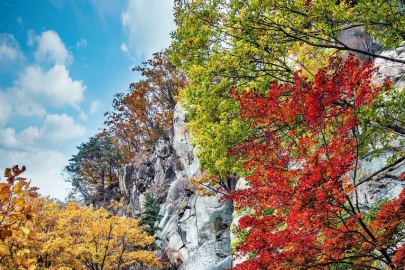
{"x": 195, "y": 230}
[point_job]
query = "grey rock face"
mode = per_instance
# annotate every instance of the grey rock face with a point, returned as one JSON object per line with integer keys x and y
{"x": 395, "y": 71}
{"x": 189, "y": 238}
{"x": 357, "y": 38}
{"x": 153, "y": 172}
{"x": 386, "y": 183}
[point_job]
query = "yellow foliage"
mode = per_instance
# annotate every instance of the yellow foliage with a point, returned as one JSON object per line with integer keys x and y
{"x": 42, "y": 233}
{"x": 205, "y": 184}
{"x": 98, "y": 240}
{"x": 15, "y": 213}
{"x": 309, "y": 59}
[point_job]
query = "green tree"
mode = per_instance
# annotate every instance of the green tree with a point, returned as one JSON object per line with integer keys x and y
{"x": 149, "y": 217}
{"x": 95, "y": 166}
{"x": 249, "y": 39}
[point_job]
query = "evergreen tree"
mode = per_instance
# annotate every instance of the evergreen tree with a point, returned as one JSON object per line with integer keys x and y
{"x": 149, "y": 217}
{"x": 95, "y": 166}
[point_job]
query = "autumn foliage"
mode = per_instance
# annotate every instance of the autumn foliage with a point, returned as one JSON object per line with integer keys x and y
{"x": 97, "y": 240}
{"x": 15, "y": 213}
{"x": 301, "y": 208}
{"x": 145, "y": 112}
{"x": 41, "y": 233}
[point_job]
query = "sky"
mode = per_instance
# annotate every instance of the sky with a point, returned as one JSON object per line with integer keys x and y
{"x": 61, "y": 62}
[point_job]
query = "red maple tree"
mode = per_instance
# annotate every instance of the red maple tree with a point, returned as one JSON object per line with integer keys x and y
{"x": 301, "y": 200}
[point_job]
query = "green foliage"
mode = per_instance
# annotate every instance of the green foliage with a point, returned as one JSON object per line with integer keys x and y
{"x": 268, "y": 211}
{"x": 213, "y": 120}
{"x": 383, "y": 122}
{"x": 246, "y": 40}
{"x": 374, "y": 210}
{"x": 95, "y": 166}
{"x": 240, "y": 237}
{"x": 149, "y": 217}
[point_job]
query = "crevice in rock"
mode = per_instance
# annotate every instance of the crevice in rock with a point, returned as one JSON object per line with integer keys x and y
{"x": 196, "y": 220}
{"x": 182, "y": 237}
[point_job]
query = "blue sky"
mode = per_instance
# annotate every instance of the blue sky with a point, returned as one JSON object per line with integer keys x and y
{"x": 61, "y": 62}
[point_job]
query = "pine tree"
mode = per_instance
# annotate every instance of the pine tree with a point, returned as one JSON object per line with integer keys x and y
{"x": 149, "y": 217}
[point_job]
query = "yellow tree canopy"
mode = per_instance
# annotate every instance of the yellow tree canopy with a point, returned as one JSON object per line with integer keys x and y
{"x": 41, "y": 233}
{"x": 98, "y": 240}
{"x": 15, "y": 212}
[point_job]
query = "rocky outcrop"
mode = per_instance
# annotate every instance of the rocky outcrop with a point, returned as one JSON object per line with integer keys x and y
{"x": 195, "y": 230}
{"x": 153, "y": 171}
{"x": 385, "y": 183}
{"x": 394, "y": 70}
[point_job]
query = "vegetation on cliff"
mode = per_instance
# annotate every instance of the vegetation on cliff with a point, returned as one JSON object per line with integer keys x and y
{"x": 280, "y": 92}
{"x": 275, "y": 94}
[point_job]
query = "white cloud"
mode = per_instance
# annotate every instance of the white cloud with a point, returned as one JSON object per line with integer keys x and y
{"x": 30, "y": 137}
{"x": 27, "y": 139}
{"x": 60, "y": 128}
{"x": 23, "y": 103}
{"x": 94, "y": 107}
{"x": 30, "y": 147}
{"x": 81, "y": 43}
{"x": 7, "y": 52}
{"x": 55, "y": 130}
{"x": 20, "y": 21}
{"x": 53, "y": 87}
{"x": 106, "y": 8}
{"x": 124, "y": 48}
{"x": 34, "y": 91}
{"x": 37, "y": 89}
{"x": 50, "y": 47}
{"x": 149, "y": 24}
{"x": 43, "y": 169}
{"x": 82, "y": 116}
{"x": 9, "y": 48}
{"x": 8, "y": 138}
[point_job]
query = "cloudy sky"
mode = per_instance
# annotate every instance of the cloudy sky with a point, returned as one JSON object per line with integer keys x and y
{"x": 61, "y": 62}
